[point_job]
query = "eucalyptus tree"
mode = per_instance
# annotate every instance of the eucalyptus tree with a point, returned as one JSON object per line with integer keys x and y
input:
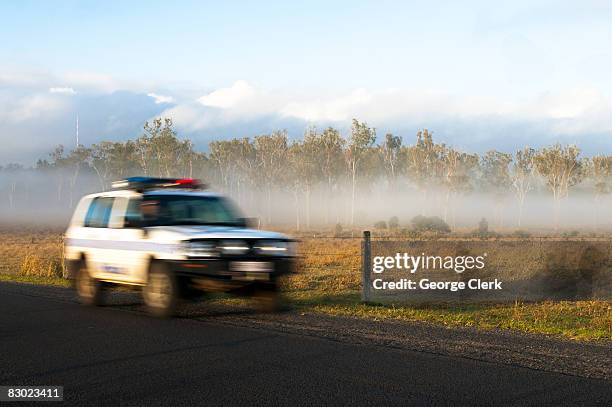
{"x": 424, "y": 164}
{"x": 522, "y": 176}
{"x": 360, "y": 141}
{"x": 457, "y": 173}
{"x": 12, "y": 170}
{"x": 561, "y": 168}
{"x": 202, "y": 167}
{"x": 495, "y": 178}
{"x": 599, "y": 170}
{"x": 309, "y": 167}
{"x": 246, "y": 164}
{"x": 76, "y": 161}
{"x": 57, "y": 164}
{"x": 159, "y": 150}
{"x": 390, "y": 151}
{"x": 331, "y": 160}
{"x": 113, "y": 161}
{"x": 101, "y": 162}
{"x": 183, "y": 155}
{"x": 221, "y": 156}
{"x": 294, "y": 179}
{"x": 271, "y": 153}
{"x": 163, "y": 145}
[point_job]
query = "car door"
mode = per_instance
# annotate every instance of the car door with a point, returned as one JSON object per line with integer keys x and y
{"x": 130, "y": 247}
{"x": 95, "y": 235}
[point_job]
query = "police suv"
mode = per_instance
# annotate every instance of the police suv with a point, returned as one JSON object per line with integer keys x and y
{"x": 174, "y": 240}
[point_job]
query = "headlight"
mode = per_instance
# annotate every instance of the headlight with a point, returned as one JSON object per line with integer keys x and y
{"x": 234, "y": 247}
{"x": 200, "y": 249}
{"x": 275, "y": 248}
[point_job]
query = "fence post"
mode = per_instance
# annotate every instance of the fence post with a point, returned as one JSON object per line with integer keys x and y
{"x": 366, "y": 265}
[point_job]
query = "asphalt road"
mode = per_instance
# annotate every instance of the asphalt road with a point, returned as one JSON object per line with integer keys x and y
{"x": 118, "y": 357}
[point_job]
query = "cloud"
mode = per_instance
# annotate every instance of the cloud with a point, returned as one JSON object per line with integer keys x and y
{"x": 35, "y": 113}
{"x": 32, "y": 107}
{"x": 66, "y": 90}
{"x": 239, "y": 93}
{"x": 93, "y": 81}
{"x": 470, "y": 118}
{"x": 239, "y": 103}
{"x": 160, "y": 99}
{"x": 571, "y": 103}
{"x": 335, "y": 109}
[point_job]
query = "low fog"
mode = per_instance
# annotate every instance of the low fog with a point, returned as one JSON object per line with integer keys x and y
{"x": 32, "y": 198}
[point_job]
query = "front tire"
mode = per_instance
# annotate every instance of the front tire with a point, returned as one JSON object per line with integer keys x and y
{"x": 161, "y": 293}
{"x": 88, "y": 288}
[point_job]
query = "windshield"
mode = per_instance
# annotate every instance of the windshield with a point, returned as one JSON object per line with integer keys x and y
{"x": 166, "y": 210}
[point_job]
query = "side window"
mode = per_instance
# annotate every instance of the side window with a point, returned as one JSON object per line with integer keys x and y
{"x": 133, "y": 217}
{"x": 98, "y": 213}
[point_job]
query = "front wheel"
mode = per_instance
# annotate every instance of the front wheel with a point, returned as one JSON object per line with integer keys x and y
{"x": 161, "y": 291}
{"x": 88, "y": 288}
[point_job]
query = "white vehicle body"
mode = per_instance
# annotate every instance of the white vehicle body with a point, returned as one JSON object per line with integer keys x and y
{"x": 123, "y": 255}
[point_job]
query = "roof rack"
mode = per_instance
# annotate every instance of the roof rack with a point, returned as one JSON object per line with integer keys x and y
{"x": 142, "y": 184}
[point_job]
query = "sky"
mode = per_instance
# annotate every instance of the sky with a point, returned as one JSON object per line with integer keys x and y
{"x": 480, "y": 74}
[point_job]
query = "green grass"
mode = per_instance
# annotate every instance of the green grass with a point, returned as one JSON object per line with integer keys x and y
{"x": 579, "y": 320}
{"x": 576, "y": 320}
{"x": 31, "y": 279}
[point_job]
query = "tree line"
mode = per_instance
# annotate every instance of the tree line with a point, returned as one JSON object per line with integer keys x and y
{"x": 329, "y": 164}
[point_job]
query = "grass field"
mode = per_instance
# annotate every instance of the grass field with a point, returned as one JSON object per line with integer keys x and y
{"x": 329, "y": 282}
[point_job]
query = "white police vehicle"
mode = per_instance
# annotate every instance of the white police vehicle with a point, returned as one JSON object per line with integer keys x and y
{"x": 174, "y": 240}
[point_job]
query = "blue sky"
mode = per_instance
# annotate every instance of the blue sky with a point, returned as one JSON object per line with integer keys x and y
{"x": 480, "y": 74}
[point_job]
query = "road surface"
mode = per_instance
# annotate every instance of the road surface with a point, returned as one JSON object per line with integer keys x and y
{"x": 118, "y": 357}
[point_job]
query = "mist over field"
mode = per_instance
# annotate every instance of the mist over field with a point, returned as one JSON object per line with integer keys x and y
{"x": 36, "y": 203}
{"x": 307, "y": 185}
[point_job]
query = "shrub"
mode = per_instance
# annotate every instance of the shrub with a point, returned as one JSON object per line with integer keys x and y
{"x": 409, "y": 233}
{"x": 393, "y": 222}
{"x": 522, "y": 234}
{"x": 483, "y": 226}
{"x": 381, "y": 224}
{"x": 338, "y": 230}
{"x": 429, "y": 224}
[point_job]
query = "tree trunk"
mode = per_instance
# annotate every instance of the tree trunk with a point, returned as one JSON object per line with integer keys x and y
{"x": 556, "y": 212}
{"x": 102, "y": 183}
{"x": 12, "y": 194}
{"x": 424, "y": 194}
{"x": 520, "y": 214}
{"x": 328, "y": 201}
{"x": 446, "y": 204}
{"x": 269, "y": 205}
{"x": 59, "y": 187}
{"x": 297, "y": 209}
{"x": 353, "y": 195}
{"x": 72, "y": 185}
{"x": 308, "y": 207}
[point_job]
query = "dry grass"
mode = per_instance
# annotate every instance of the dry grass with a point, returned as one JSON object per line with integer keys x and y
{"x": 329, "y": 282}
{"x": 31, "y": 253}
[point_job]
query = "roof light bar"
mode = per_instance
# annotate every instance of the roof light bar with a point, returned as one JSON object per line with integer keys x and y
{"x": 145, "y": 183}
